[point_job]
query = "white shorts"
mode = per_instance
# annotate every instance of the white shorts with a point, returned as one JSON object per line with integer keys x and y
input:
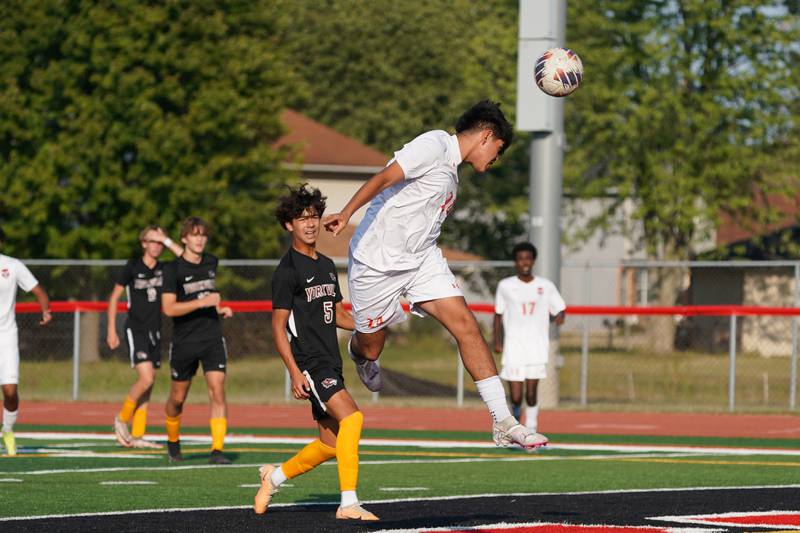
{"x": 521, "y": 373}
{"x": 376, "y": 295}
{"x": 9, "y": 359}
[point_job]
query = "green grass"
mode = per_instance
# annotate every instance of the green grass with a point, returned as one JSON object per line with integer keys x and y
{"x": 69, "y": 488}
{"x": 618, "y": 378}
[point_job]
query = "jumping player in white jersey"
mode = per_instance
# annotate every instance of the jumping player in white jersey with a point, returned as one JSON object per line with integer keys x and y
{"x": 14, "y": 274}
{"x": 393, "y": 253}
{"x": 142, "y": 279}
{"x": 524, "y": 307}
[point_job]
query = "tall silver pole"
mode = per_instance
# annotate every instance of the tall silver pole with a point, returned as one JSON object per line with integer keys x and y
{"x": 793, "y": 370}
{"x": 732, "y": 367}
{"x": 76, "y": 354}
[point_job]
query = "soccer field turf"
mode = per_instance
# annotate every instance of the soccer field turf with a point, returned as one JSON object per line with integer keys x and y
{"x": 72, "y": 472}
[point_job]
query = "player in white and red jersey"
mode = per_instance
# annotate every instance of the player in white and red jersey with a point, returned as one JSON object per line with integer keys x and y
{"x": 13, "y": 274}
{"x": 524, "y": 307}
{"x": 393, "y": 253}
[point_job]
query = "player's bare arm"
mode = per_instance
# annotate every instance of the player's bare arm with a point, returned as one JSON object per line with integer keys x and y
{"x": 559, "y": 318}
{"x": 387, "y": 177}
{"x": 344, "y": 319}
{"x": 173, "y": 246}
{"x": 172, "y": 307}
{"x": 44, "y": 303}
{"x": 224, "y": 311}
{"x": 497, "y": 333}
{"x": 300, "y": 386}
{"x": 112, "y": 339}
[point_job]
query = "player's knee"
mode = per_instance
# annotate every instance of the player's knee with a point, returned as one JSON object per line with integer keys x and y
{"x": 355, "y": 419}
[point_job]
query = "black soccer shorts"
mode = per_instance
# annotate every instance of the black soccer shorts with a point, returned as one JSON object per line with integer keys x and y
{"x": 185, "y": 357}
{"x": 143, "y": 346}
{"x": 325, "y": 381}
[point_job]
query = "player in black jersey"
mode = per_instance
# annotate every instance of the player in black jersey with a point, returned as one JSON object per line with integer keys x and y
{"x": 307, "y": 308}
{"x": 191, "y": 298}
{"x": 142, "y": 279}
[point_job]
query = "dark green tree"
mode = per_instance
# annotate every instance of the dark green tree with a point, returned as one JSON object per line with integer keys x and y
{"x": 116, "y": 114}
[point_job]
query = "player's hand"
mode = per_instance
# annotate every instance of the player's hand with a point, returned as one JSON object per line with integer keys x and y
{"x": 300, "y": 387}
{"x": 160, "y": 235}
{"x": 210, "y": 300}
{"x": 46, "y": 318}
{"x": 335, "y": 223}
{"x": 112, "y": 340}
{"x": 226, "y": 312}
{"x": 498, "y": 348}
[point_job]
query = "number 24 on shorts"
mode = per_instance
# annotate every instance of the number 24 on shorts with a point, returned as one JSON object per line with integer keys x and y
{"x": 375, "y": 322}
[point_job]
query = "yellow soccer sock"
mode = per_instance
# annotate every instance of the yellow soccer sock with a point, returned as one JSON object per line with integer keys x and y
{"x": 173, "y": 424}
{"x": 219, "y": 426}
{"x": 128, "y": 407}
{"x": 139, "y": 422}
{"x": 347, "y": 450}
{"x": 314, "y": 454}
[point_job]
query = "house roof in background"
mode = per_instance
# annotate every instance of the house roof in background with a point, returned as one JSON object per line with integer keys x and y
{"x": 321, "y": 145}
{"x": 731, "y": 231}
{"x": 337, "y": 246}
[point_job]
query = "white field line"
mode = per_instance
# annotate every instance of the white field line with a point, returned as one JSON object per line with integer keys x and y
{"x": 10, "y": 480}
{"x": 439, "y": 444}
{"x": 402, "y": 489}
{"x": 401, "y": 500}
{"x": 129, "y": 482}
{"x": 56, "y": 452}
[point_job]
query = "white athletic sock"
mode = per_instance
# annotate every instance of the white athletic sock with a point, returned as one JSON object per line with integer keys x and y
{"x": 494, "y": 396}
{"x": 349, "y": 498}
{"x": 9, "y": 419}
{"x": 532, "y": 417}
{"x": 277, "y": 477}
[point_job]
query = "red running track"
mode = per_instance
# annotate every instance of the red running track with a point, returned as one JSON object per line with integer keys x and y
{"x": 299, "y": 416}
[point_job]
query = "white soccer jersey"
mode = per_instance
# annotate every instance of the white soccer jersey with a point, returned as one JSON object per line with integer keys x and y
{"x": 13, "y": 274}
{"x": 403, "y": 222}
{"x": 526, "y": 310}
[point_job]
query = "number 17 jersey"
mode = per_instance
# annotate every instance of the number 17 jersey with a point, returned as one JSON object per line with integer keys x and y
{"x": 309, "y": 289}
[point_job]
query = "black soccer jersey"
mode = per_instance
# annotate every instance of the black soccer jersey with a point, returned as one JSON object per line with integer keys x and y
{"x": 143, "y": 286}
{"x": 309, "y": 288}
{"x": 189, "y": 281}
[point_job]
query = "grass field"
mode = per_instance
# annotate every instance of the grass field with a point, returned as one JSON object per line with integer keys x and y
{"x": 81, "y": 470}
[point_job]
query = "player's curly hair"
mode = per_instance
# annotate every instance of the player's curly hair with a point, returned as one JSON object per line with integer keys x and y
{"x": 298, "y": 200}
{"x": 524, "y": 247}
{"x": 487, "y": 115}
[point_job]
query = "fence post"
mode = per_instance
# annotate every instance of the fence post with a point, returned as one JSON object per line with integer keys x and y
{"x": 732, "y": 366}
{"x": 460, "y": 381}
{"x": 585, "y": 363}
{"x": 793, "y": 364}
{"x": 287, "y": 384}
{"x": 76, "y": 353}
{"x": 376, "y": 395}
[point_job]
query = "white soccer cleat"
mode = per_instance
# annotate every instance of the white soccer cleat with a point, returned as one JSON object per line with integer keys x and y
{"x": 264, "y": 494}
{"x": 368, "y": 371}
{"x": 121, "y": 431}
{"x": 510, "y": 432}
{"x": 139, "y": 442}
{"x": 10, "y": 442}
{"x": 354, "y": 512}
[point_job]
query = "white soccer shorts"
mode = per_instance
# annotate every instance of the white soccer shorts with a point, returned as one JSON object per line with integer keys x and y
{"x": 9, "y": 359}
{"x": 521, "y": 373}
{"x": 376, "y": 295}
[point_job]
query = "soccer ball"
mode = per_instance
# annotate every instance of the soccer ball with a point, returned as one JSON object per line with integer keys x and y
{"x": 559, "y": 71}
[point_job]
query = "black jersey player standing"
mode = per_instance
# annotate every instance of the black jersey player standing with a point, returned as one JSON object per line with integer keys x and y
{"x": 191, "y": 298}
{"x": 307, "y": 308}
{"x": 142, "y": 280}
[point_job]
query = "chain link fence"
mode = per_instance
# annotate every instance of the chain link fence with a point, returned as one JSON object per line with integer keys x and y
{"x": 616, "y": 359}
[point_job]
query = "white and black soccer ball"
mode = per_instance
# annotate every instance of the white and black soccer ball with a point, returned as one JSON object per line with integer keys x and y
{"x": 558, "y": 71}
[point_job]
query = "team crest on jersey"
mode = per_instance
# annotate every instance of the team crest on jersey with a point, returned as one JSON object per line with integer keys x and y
{"x": 328, "y": 382}
{"x": 5, "y": 273}
{"x": 540, "y": 290}
{"x": 211, "y": 273}
{"x": 333, "y": 276}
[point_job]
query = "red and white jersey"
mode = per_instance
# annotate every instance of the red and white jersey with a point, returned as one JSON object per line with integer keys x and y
{"x": 404, "y": 221}
{"x": 13, "y": 274}
{"x": 526, "y": 310}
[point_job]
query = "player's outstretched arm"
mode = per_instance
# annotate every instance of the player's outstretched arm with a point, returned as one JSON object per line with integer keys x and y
{"x": 44, "y": 303}
{"x": 300, "y": 386}
{"x": 172, "y": 307}
{"x": 559, "y": 318}
{"x": 344, "y": 319}
{"x": 372, "y": 187}
{"x": 112, "y": 339}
